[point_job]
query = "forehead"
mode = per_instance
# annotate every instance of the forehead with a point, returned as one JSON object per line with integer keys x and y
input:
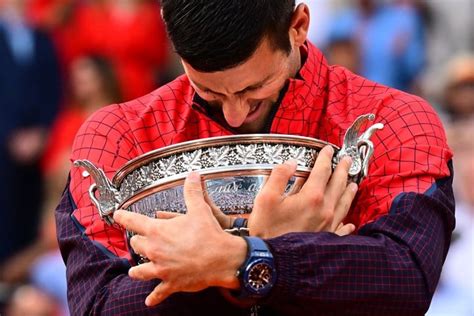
{"x": 264, "y": 63}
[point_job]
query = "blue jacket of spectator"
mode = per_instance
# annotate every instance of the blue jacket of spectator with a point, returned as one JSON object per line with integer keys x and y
{"x": 391, "y": 42}
{"x": 30, "y": 94}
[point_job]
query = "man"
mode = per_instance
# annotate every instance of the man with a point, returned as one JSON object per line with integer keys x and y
{"x": 250, "y": 69}
{"x": 30, "y": 94}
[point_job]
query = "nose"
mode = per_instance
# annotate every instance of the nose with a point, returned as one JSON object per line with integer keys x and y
{"x": 235, "y": 111}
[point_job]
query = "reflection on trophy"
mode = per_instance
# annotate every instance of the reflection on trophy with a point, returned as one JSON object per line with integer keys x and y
{"x": 233, "y": 169}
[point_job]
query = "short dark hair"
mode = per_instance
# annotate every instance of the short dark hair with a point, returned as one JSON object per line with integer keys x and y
{"x": 108, "y": 77}
{"x": 214, "y": 35}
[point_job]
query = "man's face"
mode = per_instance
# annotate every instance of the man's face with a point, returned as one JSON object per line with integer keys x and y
{"x": 244, "y": 95}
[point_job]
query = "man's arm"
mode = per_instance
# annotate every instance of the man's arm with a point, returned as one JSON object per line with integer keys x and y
{"x": 390, "y": 267}
{"x": 98, "y": 281}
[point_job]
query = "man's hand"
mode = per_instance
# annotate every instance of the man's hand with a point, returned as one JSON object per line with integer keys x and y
{"x": 188, "y": 253}
{"x": 320, "y": 205}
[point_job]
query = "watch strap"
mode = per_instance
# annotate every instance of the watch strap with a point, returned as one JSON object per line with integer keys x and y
{"x": 240, "y": 222}
{"x": 256, "y": 244}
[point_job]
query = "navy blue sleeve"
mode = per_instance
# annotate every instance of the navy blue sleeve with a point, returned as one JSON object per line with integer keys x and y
{"x": 391, "y": 267}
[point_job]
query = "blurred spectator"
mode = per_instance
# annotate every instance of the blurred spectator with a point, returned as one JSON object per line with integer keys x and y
{"x": 28, "y": 300}
{"x": 49, "y": 14}
{"x": 132, "y": 35}
{"x": 450, "y": 34}
{"x": 390, "y": 37}
{"x": 48, "y": 274}
{"x": 17, "y": 268}
{"x": 40, "y": 265}
{"x": 58, "y": 19}
{"x": 455, "y": 292}
{"x": 29, "y": 98}
{"x": 422, "y": 8}
{"x": 458, "y": 101}
{"x": 344, "y": 52}
{"x": 93, "y": 85}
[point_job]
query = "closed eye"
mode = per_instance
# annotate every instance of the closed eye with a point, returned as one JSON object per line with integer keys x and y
{"x": 250, "y": 89}
{"x": 207, "y": 91}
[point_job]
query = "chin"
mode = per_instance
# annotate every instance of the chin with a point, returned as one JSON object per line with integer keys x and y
{"x": 251, "y": 128}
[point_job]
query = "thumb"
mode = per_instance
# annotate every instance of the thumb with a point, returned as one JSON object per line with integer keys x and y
{"x": 345, "y": 229}
{"x": 194, "y": 195}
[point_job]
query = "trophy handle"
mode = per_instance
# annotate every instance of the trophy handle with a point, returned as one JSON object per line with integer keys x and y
{"x": 359, "y": 148}
{"x": 108, "y": 196}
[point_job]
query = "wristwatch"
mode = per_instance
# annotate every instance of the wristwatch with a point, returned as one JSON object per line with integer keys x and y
{"x": 257, "y": 275}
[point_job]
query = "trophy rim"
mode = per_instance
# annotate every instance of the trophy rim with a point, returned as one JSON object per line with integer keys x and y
{"x": 209, "y": 142}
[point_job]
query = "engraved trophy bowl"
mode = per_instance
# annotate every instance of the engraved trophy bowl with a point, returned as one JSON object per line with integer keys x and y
{"x": 233, "y": 169}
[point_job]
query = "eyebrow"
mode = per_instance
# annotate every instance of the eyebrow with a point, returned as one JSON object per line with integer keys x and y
{"x": 251, "y": 87}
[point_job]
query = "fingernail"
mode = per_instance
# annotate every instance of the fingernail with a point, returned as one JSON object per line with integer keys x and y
{"x": 131, "y": 271}
{"x": 348, "y": 159}
{"x": 353, "y": 187}
{"x": 194, "y": 177}
{"x": 330, "y": 149}
{"x": 292, "y": 162}
{"x": 148, "y": 302}
{"x": 117, "y": 214}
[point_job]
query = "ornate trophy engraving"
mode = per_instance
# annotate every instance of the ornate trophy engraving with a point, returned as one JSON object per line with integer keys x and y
{"x": 233, "y": 168}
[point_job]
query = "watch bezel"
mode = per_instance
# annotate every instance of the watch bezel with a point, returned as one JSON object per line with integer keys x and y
{"x": 247, "y": 281}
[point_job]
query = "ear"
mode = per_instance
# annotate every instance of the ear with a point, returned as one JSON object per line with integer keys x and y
{"x": 299, "y": 25}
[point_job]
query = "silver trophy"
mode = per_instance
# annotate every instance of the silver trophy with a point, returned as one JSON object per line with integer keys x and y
{"x": 233, "y": 168}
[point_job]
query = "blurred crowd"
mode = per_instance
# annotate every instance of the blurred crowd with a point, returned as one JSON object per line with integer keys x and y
{"x": 60, "y": 60}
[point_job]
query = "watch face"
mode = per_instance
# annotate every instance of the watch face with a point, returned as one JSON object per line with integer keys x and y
{"x": 260, "y": 276}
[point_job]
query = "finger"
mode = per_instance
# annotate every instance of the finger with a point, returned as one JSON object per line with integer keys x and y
{"x": 344, "y": 204}
{"x": 144, "y": 272}
{"x": 167, "y": 215}
{"x": 138, "y": 223}
{"x": 278, "y": 179}
{"x": 319, "y": 176}
{"x": 224, "y": 221}
{"x": 338, "y": 181}
{"x": 345, "y": 230}
{"x": 211, "y": 203}
{"x": 159, "y": 294}
{"x": 139, "y": 245}
{"x": 193, "y": 193}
